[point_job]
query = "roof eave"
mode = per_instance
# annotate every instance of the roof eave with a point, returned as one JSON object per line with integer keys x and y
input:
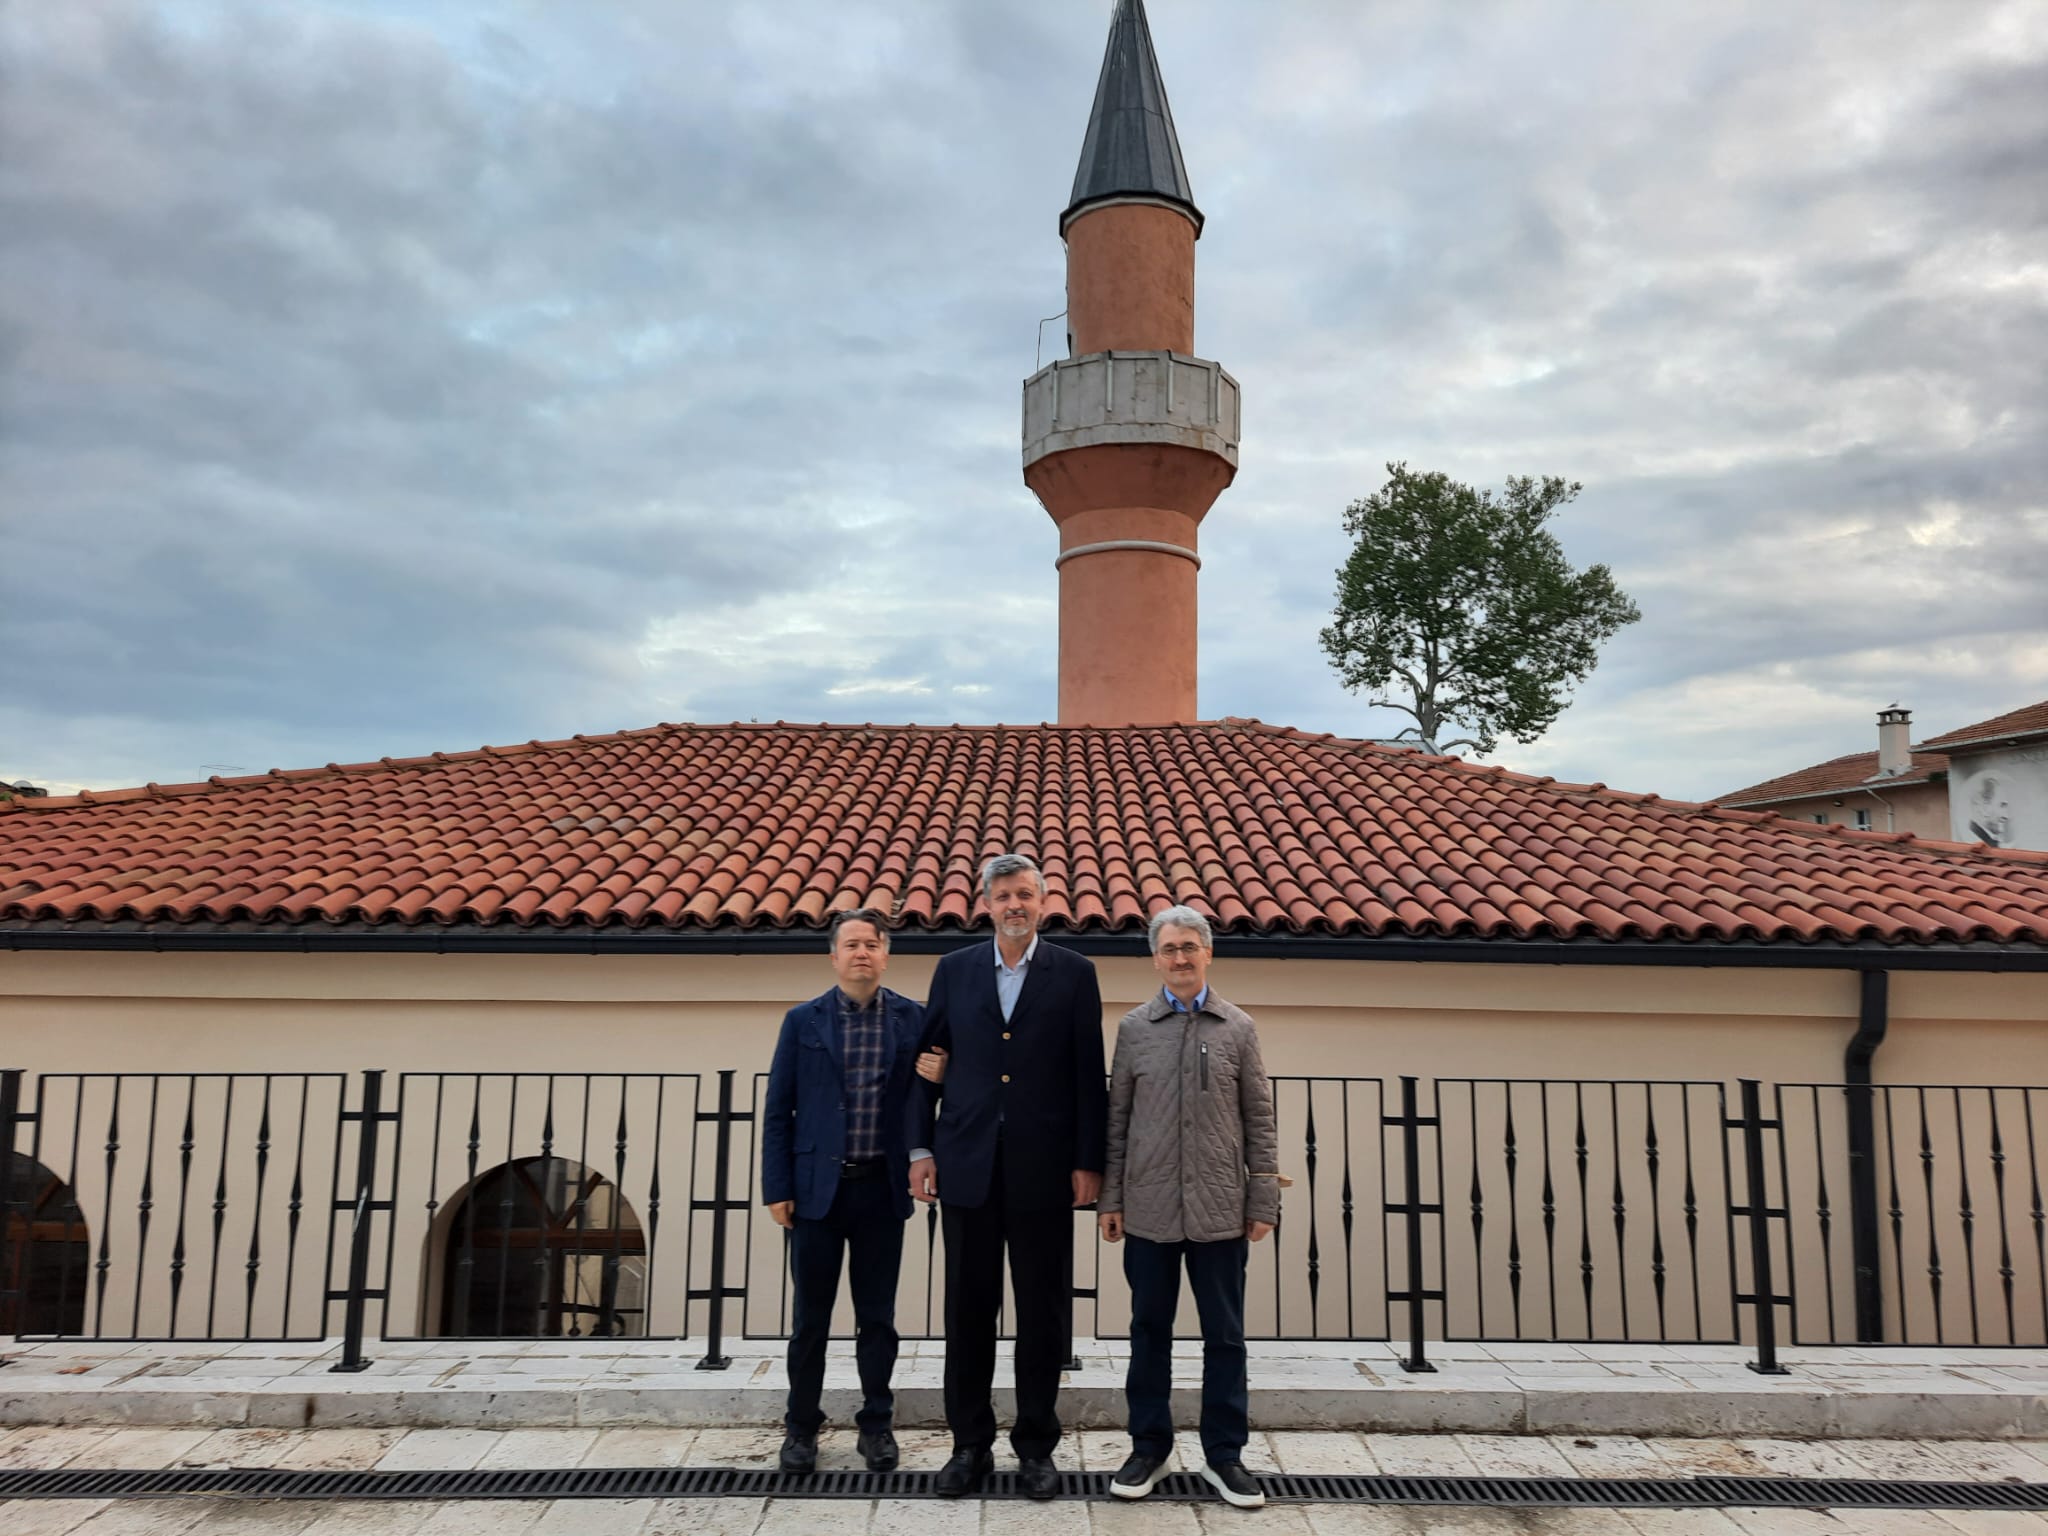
{"x": 367, "y": 938}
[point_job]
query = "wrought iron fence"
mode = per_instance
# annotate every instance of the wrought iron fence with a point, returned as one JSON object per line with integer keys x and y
{"x": 171, "y": 1205}
{"x": 1949, "y": 1242}
{"x": 495, "y": 1205}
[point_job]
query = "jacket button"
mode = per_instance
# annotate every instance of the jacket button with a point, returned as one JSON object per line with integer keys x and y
{"x": 1006, "y": 1077}
{"x": 1006, "y": 1034}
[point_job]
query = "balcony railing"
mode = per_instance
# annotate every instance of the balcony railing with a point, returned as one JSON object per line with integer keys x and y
{"x": 494, "y": 1205}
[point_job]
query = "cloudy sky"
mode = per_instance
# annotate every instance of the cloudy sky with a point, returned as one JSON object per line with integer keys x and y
{"x": 378, "y": 378}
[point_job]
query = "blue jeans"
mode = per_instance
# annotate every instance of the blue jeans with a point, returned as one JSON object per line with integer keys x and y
{"x": 1216, "y": 1275}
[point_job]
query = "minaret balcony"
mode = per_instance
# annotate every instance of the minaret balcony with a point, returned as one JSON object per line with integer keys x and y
{"x": 1130, "y": 397}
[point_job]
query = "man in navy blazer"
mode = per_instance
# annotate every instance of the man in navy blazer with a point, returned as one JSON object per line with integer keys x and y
{"x": 1018, "y": 1145}
{"x": 834, "y": 1171}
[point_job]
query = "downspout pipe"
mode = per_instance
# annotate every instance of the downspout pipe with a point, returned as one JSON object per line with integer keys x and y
{"x": 1872, "y": 1020}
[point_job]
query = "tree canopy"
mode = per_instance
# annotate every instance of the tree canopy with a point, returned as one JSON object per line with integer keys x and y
{"x": 1460, "y": 610}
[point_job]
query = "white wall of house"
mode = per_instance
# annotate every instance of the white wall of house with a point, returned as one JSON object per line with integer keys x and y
{"x": 2000, "y": 797}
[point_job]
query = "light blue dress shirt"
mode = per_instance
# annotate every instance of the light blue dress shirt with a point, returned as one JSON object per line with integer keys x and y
{"x": 1009, "y": 980}
{"x": 1201, "y": 1001}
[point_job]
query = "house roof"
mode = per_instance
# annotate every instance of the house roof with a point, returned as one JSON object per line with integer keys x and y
{"x": 1130, "y": 148}
{"x": 2032, "y": 720}
{"x": 1856, "y": 771}
{"x": 744, "y": 827}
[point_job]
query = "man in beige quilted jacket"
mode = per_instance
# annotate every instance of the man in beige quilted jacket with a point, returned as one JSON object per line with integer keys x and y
{"x": 1192, "y": 1178}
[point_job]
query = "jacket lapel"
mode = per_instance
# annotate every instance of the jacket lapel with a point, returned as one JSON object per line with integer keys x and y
{"x": 1034, "y": 984}
{"x": 982, "y": 964}
{"x": 825, "y": 1022}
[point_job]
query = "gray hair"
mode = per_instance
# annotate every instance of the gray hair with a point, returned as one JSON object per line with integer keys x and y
{"x": 1179, "y": 917}
{"x": 858, "y": 915}
{"x": 1009, "y": 864}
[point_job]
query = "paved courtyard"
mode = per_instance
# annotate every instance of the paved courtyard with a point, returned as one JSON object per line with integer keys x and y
{"x": 1289, "y": 1451}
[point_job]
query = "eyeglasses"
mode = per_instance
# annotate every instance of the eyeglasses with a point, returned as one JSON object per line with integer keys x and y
{"x": 1181, "y": 951}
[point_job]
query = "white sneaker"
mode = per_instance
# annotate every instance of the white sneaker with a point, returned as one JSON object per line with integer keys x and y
{"x": 1139, "y": 1476}
{"x": 1236, "y": 1485}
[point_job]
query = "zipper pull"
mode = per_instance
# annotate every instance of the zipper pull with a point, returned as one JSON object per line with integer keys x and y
{"x": 1205, "y": 1066}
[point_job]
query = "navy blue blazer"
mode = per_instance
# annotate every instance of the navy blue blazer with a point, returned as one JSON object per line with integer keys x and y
{"x": 1039, "y": 1077}
{"x": 803, "y": 1123}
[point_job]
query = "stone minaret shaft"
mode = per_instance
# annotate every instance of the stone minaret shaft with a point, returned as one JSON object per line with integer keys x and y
{"x": 1130, "y": 439}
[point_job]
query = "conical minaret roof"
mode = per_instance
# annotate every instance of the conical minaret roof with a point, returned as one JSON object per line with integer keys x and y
{"x": 1130, "y": 149}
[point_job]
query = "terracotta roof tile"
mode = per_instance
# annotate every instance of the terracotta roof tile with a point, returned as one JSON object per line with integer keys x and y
{"x": 2031, "y": 720}
{"x": 759, "y": 826}
{"x": 1856, "y": 771}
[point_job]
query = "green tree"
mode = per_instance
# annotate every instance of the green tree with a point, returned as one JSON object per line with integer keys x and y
{"x": 1461, "y": 610}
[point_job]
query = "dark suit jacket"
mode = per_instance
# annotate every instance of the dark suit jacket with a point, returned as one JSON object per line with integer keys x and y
{"x": 1040, "y": 1075}
{"x": 803, "y": 1126}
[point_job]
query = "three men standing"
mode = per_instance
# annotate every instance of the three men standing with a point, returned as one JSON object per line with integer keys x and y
{"x": 1192, "y": 1178}
{"x": 835, "y": 1171}
{"x": 1018, "y": 1145}
{"x": 1180, "y": 1155}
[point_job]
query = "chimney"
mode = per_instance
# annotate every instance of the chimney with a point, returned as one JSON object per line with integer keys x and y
{"x": 1894, "y": 741}
{"x": 1129, "y": 441}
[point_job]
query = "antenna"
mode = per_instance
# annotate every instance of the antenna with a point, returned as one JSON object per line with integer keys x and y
{"x": 1038, "y": 357}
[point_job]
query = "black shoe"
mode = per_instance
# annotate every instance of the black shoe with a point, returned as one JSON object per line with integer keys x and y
{"x": 799, "y": 1453}
{"x": 1138, "y": 1476}
{"x": 878, "y": 1448}
{"x": 1038, "y": 1477}
{"x": 965, "y": 1473}
{"x": 1236, "y": 1485}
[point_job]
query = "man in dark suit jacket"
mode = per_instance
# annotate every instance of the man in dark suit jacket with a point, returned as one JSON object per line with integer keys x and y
{"x": 834, "y": 1171}
{"x": 1017, "y": 1146}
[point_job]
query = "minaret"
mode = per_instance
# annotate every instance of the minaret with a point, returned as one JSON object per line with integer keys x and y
{"x": 1130, "y": 439}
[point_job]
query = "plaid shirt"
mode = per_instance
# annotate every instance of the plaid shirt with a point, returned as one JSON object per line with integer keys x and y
{"x": 864, "y": 1064}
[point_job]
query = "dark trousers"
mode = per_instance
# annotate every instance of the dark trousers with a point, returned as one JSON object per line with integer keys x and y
{"x": 1216, "y": 1275}
{"x": 1041, "y": 1245}
{"x": 863, "y": 1227}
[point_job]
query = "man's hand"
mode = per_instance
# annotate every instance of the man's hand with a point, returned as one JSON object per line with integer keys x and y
{"x": 1087, "y": 1185}
{"x": 784, "y": 1212}
{"x": 931, "y": 1066}
{"x": 1111, "y": 1225}
{"x": 924, "y": 1180}
{"x": 1257, "y": 1229}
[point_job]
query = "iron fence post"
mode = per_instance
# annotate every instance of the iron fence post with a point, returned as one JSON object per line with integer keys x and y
{"x": 715, "y": 1359}
{"x": 1412, "y": 1210}
{"x": 358, "y": 1294}
{"x": 13, "y": 1217}
{"x": 1763, "y": 1298}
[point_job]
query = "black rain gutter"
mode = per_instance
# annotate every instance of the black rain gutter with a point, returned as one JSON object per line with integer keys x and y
{"x": 1873, "y": 1018}
{"x": 377, "y": 939}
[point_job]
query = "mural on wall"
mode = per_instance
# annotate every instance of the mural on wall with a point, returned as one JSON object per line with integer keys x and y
{"x": 2000, "y": 798}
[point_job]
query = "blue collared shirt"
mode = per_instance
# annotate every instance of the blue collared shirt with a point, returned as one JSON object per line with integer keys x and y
{"x": 1010, "y": 980}
{"x": 1201, "y": 1001}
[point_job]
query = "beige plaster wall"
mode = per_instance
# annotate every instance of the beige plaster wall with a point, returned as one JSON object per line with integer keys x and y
{"x": 1922, "y": 809}
{"x": 688, "y": 1016}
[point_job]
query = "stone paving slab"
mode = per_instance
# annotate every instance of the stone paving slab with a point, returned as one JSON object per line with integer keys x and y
{"x": 1683, "y": 1390}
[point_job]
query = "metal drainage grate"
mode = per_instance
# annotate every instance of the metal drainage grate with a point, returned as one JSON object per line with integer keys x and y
{"x": 728, "y": 1482}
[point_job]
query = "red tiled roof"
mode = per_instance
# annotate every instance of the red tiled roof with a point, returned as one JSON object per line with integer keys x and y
{"x": 2032, "y": 720}
{"x": 1856, "y": 771}
{"x": 751, "y": 827}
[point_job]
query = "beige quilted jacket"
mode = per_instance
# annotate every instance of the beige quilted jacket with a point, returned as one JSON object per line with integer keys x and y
{"x": 1193, "y": 1153}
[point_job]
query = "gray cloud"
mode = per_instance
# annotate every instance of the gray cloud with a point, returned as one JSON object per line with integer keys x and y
{"x": 375, "y": 381}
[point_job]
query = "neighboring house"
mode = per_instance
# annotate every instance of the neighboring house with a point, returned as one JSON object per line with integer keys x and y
{"x": 1985, "y": 783}
{"x": 1897, "y": 788}
{"x": 1998, "y": 779}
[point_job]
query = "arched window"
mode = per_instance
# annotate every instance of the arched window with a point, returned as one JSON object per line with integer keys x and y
{"x": 543, "y": 1248}
{"x": 48, "y": 1255}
